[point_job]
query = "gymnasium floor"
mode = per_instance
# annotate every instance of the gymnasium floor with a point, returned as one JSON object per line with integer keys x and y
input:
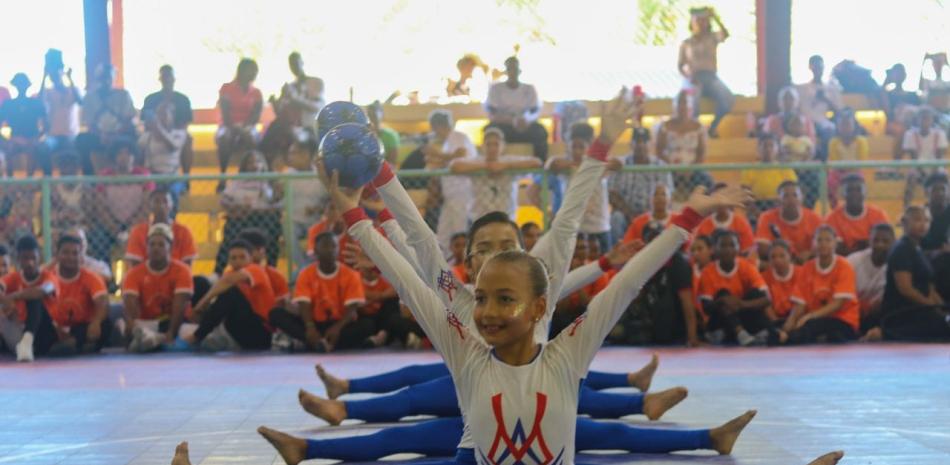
{"x": 882, "y": 404}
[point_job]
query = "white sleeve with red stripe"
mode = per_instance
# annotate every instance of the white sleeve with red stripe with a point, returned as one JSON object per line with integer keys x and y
{"x": 581, "y": 340}
{"x": 397, "y": 237}
{"x": 448, "y": 335}
{"x": 580, "y": 277}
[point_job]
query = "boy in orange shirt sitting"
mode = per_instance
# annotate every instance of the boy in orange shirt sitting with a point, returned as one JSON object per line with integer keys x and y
{"x": 733, "y": 295}
{"x": 257, "y": 238}
{"x": 28, "y": 299}
{"x": 853, "y": 221}
{"x": 730, "y": 219}
{"x": 457, "y": 245}
{"x": 329, "y": 296}
{"x": 82, "y": 305}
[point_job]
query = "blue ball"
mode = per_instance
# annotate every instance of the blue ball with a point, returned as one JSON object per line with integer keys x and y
{"x": 353, "y": 150}
{"x": 337, "y": 113}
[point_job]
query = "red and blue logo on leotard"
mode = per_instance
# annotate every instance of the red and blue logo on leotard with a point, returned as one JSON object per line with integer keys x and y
{"x": 520, "y": 447}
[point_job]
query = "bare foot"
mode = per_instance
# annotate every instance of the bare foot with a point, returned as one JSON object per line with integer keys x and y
{"x": 643, "y": 378}
{"x": 293, "y": 450}
{"x": 724, "y": 437}
{"x": 331, "y": 411}
{"x": 336, "y": 387}
{"x": 656, "y": 404}
{"x": 830, "y": 458}
{"x": 181, "y": 455}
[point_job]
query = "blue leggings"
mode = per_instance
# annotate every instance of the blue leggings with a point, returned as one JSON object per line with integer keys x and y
{"x": 437, "y": 397}
{"x": 439, "y": 438}
{"x": 417, "y": 374}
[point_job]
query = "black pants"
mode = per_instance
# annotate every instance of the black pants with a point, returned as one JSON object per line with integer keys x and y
{"x": 941, "y": 266}
{"x": 234, "y": 310}
{"x": 917, "y": 324}
{"x": 353, "y": 336}
{"x": 751, "y": 320}
{"x": 822, "y": 330}
{"x": 39, "y": 323}
{"x": 534, "y": 134}
{"x": 389, "y": 318}
{"x": 267, "y": 221}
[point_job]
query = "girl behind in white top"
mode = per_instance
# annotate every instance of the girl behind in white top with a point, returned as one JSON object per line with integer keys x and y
{"x": 925, "y": 141}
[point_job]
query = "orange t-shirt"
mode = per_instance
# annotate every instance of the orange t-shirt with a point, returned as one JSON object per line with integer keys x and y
{"x": 635, "y": 230}
{"x": 743, "y": 278}
{"x": 377, "y": 285}
{"x": 155, "y": 290}
{"x": 258, "y": 290}
{"x": 461, "y": 273}
{"x": 183, "y": 246}
{"x": 75, "y": 303}
{"x": 736, "y": 223}
{"x": 278, "y": 283}
{"x": 329, "y": 295}
{"x": 785, "y": 292}
{"x": 343, "y": 239}
{"x": 820, "y": 286}
{"x": 855, "y": 229}
{"x": 592, "y": 289}
{"x": 800, "y": 234}
{"x": 15, "y": 282}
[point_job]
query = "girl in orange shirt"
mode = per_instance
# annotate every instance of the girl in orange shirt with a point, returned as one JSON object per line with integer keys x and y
{"x": 784, "y": 280}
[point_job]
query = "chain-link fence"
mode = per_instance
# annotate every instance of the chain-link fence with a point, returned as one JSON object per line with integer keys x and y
{"x": 292, "y": 208}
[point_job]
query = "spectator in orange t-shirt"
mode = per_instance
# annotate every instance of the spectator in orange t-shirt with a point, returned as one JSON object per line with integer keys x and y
{"x": 258, "y": 240}
{"x": 831, "y": 312}
{"x": 784, "y": 279}
{"x": 572, "y": 306}
{"x": 659, "y": 214}
{"x": 329, "y": 296}
{"x": 457, "y": 245}
{"x": 183, "y": 243}
{"x": 734, "y": 296}
{"x": 82, "y": 304}
{"x": 790, "y": 221}
{"x": 156, "y": 294}
{"x": 241, "y": 105}
{"x": 242, "y": 300}
{"x": 728, "y": 219}
{"x": 853, "y": 221}
{"x": 27, "y": 303}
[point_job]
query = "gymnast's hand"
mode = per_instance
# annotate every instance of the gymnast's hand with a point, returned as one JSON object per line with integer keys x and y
{"x": 345, "y": 199}
{"x": 615, "y": 117}
{"x": 623, "y": 252}
{"x": 705, "y": 204}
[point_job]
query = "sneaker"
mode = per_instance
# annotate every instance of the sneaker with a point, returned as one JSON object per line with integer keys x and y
{"x": 135, "y": 345}
{"x": 24, "y": 348}
{"x": 715, "y": 337}
{"x": 151, "y": 340}
{"x": 761, "y": 338}
{"x": 281, "y": 342}
{"x": 178, "y": 345}
{"x": 413, "y": 342}
{"x": 744, "y": 338}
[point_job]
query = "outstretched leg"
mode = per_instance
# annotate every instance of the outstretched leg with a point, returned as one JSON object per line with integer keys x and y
{"x": 385, "y": 382}
{"x": 830, "y": 458}
{"x": 641, "y": 379}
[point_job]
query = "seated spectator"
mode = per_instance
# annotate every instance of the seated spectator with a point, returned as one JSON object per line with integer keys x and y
{"x": 796, "y": 146}
{"x": 329, "y": 296}
{"x": 572, "y": 306}
{"x": 530, "y": 233}
{"x": 384, "y": 310}
{"x": 664, "y": 312}
{"x": 181, "y": 117}
{"x": 926, "y": 142}
{"x": 630, "y": 192}
{"x": 82, "y": 304}
{"x": 847, "y": 145}
{"x": 764, "y": 183}
{"x": 62, "y": 110}
{"x": 388, "y": 137}
{"x": 659, "y": 214}
{"x": 936, "y": 240}
{"x": 242, "y": 300}
{"x": 697, "y": 62}
{"x": 496, "y": 190}
{"x": 831, "y": 312}
{"x": 870, "y": 272}
{"x": 309, "y": 194}
{"x": 789, "y": 105}
{"x": 734, "y": 296}
{"x": 333, "y": 222}
{"x": 26, "y": 117}
{"x": 118, "y": 206}
{"x": 729, "y": 219}
{"x": 682, "y": 141}
{"x": 911, "y": 306}
{"x": 700, "y": 254}
{"x": 790, "y": 221}
{"x": 853, "y": 221}
{"x": 818, "y": 98}
{"x": 296, "y": 112}
{"x": 99, "y": 267}
{"x": 937, "y": 90}
{"x": 70, "y": 201}
{"x": 784, "y": 280}
{"x": 155, "y": 294}
{"x": 258, "y": 241}
{"x": 241, "y": 105}
{"x": 108, "y": 114}
{"x": 901, "y": 104}
{"x": 459, "y": 268}
{"x": 514, "y": 107}
{"x": 446, "y": 146}
{"x": 28, "y": 303}
{"x": 250, "y": 203}
{"x": 162, "y": 146}
{"x": 160, "y": 207}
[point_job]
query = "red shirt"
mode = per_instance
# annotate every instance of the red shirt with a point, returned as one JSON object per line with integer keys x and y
{"x": 736, "y": 223}
{"x": 155, "y": 290}
{"x": 242, "y": 102}
{"x": 785, "y": 292}
{"x": 800, "y": 234}
{"x": 15, "y": 282}
{"x": 76, "y": 300}
{"x": 183, "y": 244}
{"x": 821, "y": 286}
{"x": 851, "y": 229}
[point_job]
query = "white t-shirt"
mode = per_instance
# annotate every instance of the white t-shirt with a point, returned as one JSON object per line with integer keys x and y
{"x": 310, "y": 196}
{"x": 869, "y": 279}
{"x": 495, "y": 191}
{"x": 596, "y": 217}
{"x": 159, "y": 157}
{"x": 512, "y": 102}
{"x": 815, "y": 109}
{"x": 458, "y": 187}
{"x": 925, "y": 147}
